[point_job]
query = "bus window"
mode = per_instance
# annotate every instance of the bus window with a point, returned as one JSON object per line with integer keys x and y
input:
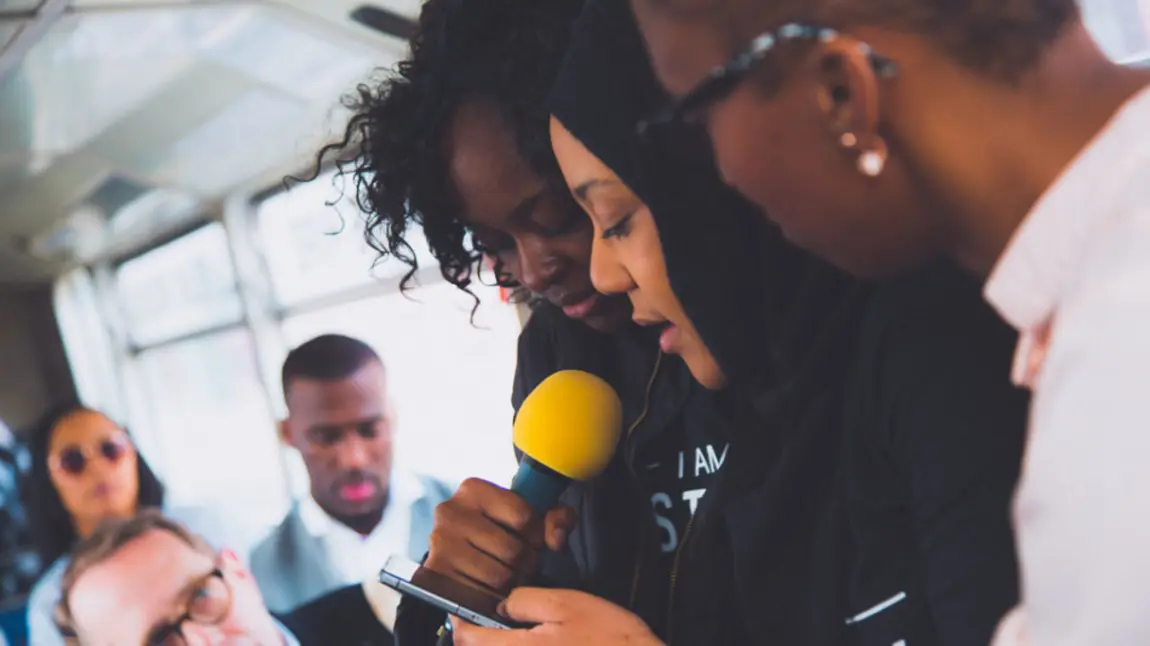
{"x": 450, "y": 380}
{"x": 1122, "y": 27}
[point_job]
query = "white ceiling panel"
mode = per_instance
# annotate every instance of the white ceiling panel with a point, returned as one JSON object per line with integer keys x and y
{"x": 186, "y": 99}
{"x": 8, "y": 29}
{"x": 18, "y": 6}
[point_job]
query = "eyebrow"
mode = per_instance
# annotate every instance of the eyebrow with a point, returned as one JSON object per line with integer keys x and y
{"x": 323, "y": 427}
{"x": 524, "y": 209}
{"x": 581, "y": 190}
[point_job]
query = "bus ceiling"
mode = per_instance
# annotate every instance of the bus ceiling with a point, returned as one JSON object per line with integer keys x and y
{"x": 125, "y": 121}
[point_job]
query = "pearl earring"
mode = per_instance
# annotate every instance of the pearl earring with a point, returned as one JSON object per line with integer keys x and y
{"x": 871, "y": 163}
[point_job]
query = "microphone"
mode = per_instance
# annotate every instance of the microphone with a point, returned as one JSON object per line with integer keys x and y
{"x": 567, "y": 429}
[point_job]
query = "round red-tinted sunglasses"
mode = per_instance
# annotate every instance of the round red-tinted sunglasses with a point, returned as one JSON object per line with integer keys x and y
{"x": 74, "y": 459}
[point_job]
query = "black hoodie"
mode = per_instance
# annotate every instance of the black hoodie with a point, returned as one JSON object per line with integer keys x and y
{"x": 768, "y": 555}
{"x": 864, "y": 500}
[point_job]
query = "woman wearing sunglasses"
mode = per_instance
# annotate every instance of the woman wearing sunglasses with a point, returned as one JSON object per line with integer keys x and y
{"x": 85, "y": 469}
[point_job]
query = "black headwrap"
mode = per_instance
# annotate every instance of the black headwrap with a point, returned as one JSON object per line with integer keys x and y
{"x": 759, "y": 304}
{"x": 781, "y": 324}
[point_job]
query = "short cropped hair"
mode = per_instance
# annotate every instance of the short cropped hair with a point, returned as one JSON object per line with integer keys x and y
{"x": 330, "y": 357}
{"x": 109, "y": 538}
{"x": 999, "y": 38}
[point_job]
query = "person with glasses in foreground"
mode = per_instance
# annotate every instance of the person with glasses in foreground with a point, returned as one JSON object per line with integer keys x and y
{"x": 881, "y": 133}
{"x": 148, "y": 580}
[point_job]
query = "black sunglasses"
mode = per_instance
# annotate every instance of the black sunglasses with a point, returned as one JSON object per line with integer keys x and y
{"x": 722, "y": 81}
{"x": 73, "y": 460}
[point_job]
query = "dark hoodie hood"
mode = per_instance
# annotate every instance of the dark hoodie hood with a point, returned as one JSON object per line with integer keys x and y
{"x": 781, "y": 324}
{"x": 760, "y": 304}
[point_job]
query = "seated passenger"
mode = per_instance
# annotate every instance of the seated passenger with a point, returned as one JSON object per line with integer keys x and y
{"x": 85, "y": 469}
{"x": 361, "y": 510}
{"x": 148, "y": 580}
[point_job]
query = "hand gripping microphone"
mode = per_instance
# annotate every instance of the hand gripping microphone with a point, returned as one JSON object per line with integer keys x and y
{"x": 567, "y": 429}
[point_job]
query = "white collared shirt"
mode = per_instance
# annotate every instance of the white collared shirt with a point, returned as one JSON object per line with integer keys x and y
{"x": 354, "y": 556}
{"x": 1075, "y": 281}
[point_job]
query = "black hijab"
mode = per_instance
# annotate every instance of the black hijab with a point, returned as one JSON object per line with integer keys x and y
{"x": 761, "y": 305}
{"x": 769, "y": 559}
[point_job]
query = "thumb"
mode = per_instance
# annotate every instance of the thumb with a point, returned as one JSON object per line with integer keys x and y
{"x": 540, "y": 605}
{"x": 557, "y": 526}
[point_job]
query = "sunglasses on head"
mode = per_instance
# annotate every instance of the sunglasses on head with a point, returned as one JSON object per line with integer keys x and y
{"x": 73, "y": 460}
{"x": 722, "y": 81}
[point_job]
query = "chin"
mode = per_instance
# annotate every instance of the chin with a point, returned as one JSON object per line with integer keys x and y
{"x": 708, "y": 374}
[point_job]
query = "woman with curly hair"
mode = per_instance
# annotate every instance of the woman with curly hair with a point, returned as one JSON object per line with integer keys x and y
{"x": 457, "y": 144}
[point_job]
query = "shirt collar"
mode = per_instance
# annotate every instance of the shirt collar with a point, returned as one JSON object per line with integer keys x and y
{"x": 404, "y": 489}
{"x": 289, "y": 638}
{"x": 1043, "y": 255}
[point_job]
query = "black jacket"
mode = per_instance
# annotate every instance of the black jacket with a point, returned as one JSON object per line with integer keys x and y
{"x": 935, "y": 435}
{"x": 880, "y": 438}
{"x": 342, "y": 617}
{"x": 611, "y": 550}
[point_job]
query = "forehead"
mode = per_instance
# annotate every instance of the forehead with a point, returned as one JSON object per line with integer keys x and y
{"x": 486, "y": 169}
{"x": 119, "y": 600}
{"x": 82, "y": 426}
{"x": 362, "y": 392}
{"x": 578, "y": 163}
{"x": 685, "y": 38}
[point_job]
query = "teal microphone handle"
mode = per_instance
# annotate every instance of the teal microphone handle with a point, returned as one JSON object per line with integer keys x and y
{"x": 538, "y": 484}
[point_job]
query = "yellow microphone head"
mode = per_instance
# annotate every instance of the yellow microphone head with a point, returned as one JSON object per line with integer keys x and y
{"x": 570, "y": 423}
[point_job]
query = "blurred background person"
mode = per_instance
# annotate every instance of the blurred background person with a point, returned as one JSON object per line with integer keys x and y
{"x": 85, "y": 470}
{"x": 362, "y": 508}
{"x": 149, "y": 579}
{"x": 146, "y": 579}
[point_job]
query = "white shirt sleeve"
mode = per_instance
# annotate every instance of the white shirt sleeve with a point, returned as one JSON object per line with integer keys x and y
{"x": 1083, "y": 507}
{"x": 42, "y": 630}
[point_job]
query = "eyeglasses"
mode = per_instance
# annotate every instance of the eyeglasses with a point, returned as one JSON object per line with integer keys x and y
{"x": 209, "y": 604}
{"x": 74, "y": 459}
{"x": 722, "y": 81}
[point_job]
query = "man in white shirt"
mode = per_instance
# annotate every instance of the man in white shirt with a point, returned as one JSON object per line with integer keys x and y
{"x": 361, "y": 510}
{"x": 883, "y": 133}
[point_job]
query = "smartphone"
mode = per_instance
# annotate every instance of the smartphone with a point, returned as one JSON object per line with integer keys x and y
{"x": 455, "y": 598}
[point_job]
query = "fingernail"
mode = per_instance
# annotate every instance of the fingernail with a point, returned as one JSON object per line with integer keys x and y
{"x": 502, "y": 609}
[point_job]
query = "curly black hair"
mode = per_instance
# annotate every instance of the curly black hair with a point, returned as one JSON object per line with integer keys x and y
{"x": 51, "y": 525}
{"x": 504, "y": 51}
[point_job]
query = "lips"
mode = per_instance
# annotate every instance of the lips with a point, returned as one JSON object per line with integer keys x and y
{"x": 580, "y": 306}
{"x": 357, "y": 492}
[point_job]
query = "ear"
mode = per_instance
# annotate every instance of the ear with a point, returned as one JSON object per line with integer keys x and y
{"x": 848, "y": 97}
{"x": 284, "y": 430}
{"x": 392, "y": 417}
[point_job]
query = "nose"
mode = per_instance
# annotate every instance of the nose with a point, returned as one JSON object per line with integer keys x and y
{"x": 538, "y": 265}
{"x": 354, "y": 452}
{"x": 608, "y": 275}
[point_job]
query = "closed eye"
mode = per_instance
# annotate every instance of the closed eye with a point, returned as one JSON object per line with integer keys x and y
{"x": 620, "y": 229}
